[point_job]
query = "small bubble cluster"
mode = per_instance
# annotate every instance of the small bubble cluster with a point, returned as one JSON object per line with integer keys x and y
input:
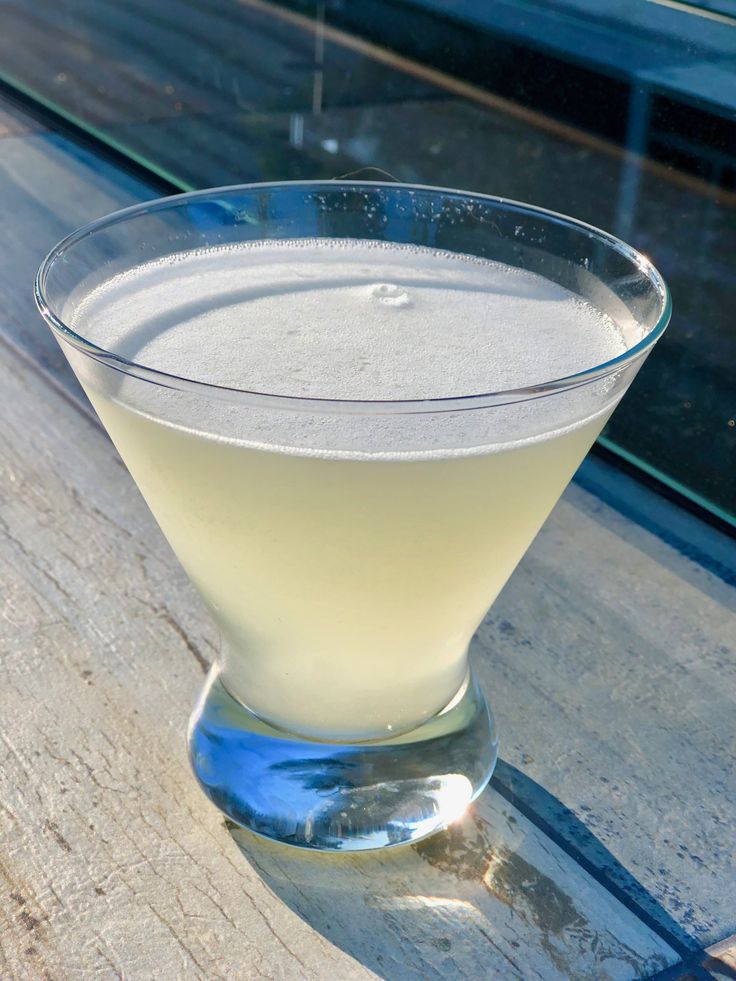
{"x": 390, "y": 295}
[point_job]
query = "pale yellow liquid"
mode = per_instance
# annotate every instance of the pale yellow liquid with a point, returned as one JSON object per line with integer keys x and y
{"x": 347, "y": 586}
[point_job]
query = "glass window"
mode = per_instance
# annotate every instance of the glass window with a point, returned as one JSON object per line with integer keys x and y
{"x": 620, "y": 114}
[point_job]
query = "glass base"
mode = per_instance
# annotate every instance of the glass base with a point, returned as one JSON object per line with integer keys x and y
{"x": 342, "y": 796}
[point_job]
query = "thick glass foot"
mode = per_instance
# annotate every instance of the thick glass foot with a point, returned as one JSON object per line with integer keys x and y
{"x": 342, "y": 796}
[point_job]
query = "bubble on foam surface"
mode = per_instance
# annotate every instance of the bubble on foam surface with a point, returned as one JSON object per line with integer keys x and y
{"x": 390, "y": 295}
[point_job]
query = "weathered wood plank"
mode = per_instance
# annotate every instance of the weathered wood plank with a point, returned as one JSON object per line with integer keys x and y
{"x": 114, "y": 862}
{"x": 48, "y": 187}
{"x": 611, "y": 666}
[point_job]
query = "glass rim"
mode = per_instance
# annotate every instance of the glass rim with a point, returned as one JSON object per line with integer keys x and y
{"x": 350, "y": 406}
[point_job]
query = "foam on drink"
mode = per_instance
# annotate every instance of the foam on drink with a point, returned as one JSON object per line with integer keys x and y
{"x": 343, "y": 319}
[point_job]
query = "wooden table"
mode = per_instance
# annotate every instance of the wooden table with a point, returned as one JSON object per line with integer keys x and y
{"x": 604, "y": 848}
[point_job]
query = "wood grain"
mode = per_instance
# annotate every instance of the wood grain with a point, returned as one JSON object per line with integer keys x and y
{"x": 48, "y": 187}
{"x": 611, "y": 670}
{"x": 113, "y": 861}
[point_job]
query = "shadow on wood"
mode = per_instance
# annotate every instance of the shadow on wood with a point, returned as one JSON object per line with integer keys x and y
{"x": 491, "y": 896}
{"x": 561, "y": 825}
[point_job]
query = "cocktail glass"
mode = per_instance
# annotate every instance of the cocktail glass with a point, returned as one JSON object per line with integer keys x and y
{"x": 346, "y": 573}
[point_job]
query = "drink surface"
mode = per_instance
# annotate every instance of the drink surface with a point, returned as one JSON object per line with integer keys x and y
{"x": 346, "y": 584}
{"x": 343, "y": 319}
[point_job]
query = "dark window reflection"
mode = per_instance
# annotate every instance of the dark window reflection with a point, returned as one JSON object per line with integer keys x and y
{"x": 620, "y": 114}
